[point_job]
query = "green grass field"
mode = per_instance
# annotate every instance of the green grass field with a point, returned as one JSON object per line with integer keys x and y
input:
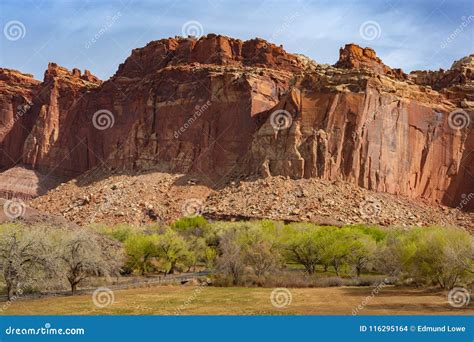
{"x": 164, "y": 300}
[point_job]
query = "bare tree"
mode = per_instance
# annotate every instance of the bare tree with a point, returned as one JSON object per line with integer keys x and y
{"x": 23, "y": 258}
{"x": 231, "y": 262}
{"x": 80, "y": 256}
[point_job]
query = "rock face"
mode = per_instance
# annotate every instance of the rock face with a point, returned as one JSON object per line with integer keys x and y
{"x": 353, "y": 56}
{"x": 377, "y": 132}
{"x": 53, "y": 136}
{"x": 16, "y": 119}
{"x": 222, "y": 107}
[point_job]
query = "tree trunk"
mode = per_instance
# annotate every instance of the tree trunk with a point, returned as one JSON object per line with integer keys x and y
{"x": 9, "y": 291}
{"x": 173, "y": 264}
{"x": 73, "y": 288}
{"x": 336, "y": 266}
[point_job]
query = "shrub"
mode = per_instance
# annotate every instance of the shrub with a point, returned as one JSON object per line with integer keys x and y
{"x": 195, "y": 225}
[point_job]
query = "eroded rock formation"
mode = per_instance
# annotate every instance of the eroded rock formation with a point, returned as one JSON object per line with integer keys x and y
{"x": 205, "y": 106}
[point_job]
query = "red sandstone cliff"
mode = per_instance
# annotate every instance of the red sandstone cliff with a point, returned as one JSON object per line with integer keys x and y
{"x": 205, "y": 106}
{"x": 16, "y": 94}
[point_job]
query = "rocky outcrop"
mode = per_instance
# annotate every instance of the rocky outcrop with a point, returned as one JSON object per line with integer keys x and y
{"x": 209, "y": 50}
{"x": 16, "y": 95}
{"x": 223, "y": 107}
{"x": 353, "y": 56}
{"x": 55, "y": 107}
{"x": 461, "y": 73}
{"x": 377, "y": 132}
{"x": 21, "y": 183}
{"x": 169, "y": 108}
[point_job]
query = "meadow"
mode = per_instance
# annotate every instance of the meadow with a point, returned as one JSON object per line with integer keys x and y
{"x": 193, "y": 266}
{"x": 165, "y": 300}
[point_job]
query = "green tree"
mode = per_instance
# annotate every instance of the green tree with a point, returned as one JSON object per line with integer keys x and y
{"x": 361, "y": 249}
{"x": 335, "y": 249}
{"x": 172, "y": 250}
{"x": 140, "y": 251}
{"x": 440, "y": 255}
{"x": 304, "y": 246}
{"x": 259, "y": 247}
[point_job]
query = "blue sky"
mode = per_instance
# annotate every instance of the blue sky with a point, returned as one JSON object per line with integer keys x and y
{"x": 99, "y": 35}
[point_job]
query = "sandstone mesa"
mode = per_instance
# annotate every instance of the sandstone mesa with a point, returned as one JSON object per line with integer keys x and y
{"x": 359, "y": 121}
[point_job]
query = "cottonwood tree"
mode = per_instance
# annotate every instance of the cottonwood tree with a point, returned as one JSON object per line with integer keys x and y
{"x": 172, "y": 249}
{"x": 80, "y": 256}
{"x": 262, "y": 257}
{"x": 361, "y": 250}
{"x": 23, "y": 258}
{"x": 231, "y": 261}
{"x": 140, "y": 251}
{"x": 441, "y": 255}
{"x": 260, "y": 250}
{"x": 306, "y": 248}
